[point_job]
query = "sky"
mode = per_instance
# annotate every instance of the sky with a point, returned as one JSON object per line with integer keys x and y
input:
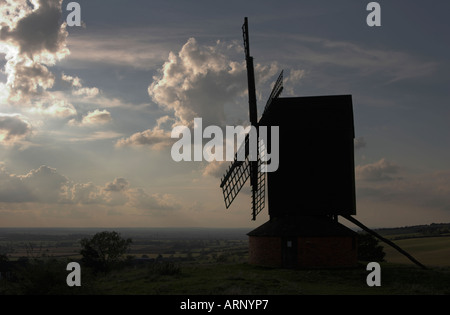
{"x": 86, "y": 112}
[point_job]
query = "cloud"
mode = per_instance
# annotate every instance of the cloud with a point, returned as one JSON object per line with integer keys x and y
{"x": 41, "y": 185}
{"x": 72, "y": 81}
{"x": 140, "y": 199}
{"x": 12, "y": 188}
{"x": 119, "y": 184}
{"x": 75, "y": 83}
{"x": 292, "y": 80}
{"x": 197, "y": 82}
{"x": 29, "y": 79}
{"x": 84, "y": 193}
{"x": 94, "y": 118}
{"x": 33, "y": 37}
{"x": 36, "y": 27}
{"x": 216, "y": 168}
{"x": 378, "y": 171}
{"x": 46, "y": 185}
{"x": 53, "y": 107}
{"x": 158, "y": 137}
{"x": 134, "y": 48}
{"x": 87, "y": 92}
{"x": 13, "y": 128}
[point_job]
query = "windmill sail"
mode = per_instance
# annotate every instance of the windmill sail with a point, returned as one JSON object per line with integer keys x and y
{"x": 276, "y": 91}
{"x": 236, "y": 175}
{"x": 244, "y": 165}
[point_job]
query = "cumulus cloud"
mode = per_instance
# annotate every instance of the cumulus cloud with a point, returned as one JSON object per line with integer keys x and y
{"x": 35, "y": 26}
{"x": 29, "y": 79}
{"x": 197, "y": 82}
{"x": 46, "y": 185}
{"x": 33, "y": 37}
{"x": 13, "y": 128}
{"x": 41, "y": 185}
{"x": 378, "y": 171}
{"x": 158, "y": 137}
{"x": 94, "y": 118}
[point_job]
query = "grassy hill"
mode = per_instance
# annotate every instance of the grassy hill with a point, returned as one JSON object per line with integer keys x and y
{"x": 209, "y": 264}
{"x": 430, "y": 244}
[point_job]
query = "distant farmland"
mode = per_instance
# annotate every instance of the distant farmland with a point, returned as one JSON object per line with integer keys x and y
{"x": 430, "y": 251}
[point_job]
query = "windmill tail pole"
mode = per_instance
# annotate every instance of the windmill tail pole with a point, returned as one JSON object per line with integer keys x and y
{"x": 365, "y": 228}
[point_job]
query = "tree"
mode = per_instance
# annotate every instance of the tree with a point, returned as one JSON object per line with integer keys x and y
{"x": 104, "y": 250}
{"x": 369, "y": 249}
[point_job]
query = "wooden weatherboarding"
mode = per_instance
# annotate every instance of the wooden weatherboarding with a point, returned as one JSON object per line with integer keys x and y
{"x": 313, "y": 185}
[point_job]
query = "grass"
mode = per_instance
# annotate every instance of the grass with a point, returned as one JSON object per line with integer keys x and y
{"x": 244, "y": 279}
{"x": 430, "y": 251}
{"x": 399, "y": 276}
{"x": 219, "y": 268}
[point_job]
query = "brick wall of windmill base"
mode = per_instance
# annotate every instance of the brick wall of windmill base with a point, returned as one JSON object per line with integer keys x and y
{"x": 265, "y": 251}
{"x": 329, "y": 251}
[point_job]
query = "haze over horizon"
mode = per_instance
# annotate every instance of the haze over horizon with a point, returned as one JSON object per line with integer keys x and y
{"x": 86, "y": 112}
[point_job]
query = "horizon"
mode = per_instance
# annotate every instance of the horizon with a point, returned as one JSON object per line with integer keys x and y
{"x": 86, "y": 112}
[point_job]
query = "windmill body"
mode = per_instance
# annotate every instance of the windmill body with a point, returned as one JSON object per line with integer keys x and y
{"x": 316, "y": 171}
{"x": 312, "y": 185}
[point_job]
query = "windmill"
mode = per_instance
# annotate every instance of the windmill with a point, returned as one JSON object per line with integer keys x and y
{"x": 313, "y": 185}
{"x": 250, "y": 167}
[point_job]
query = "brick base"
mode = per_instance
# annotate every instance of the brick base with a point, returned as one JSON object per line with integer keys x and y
{"x": 304, "y": 252}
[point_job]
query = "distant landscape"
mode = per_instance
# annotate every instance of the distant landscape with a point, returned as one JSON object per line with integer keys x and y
{"x": 214, "y": 261}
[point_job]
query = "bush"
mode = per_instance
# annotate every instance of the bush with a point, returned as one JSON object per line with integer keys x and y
{"x": 104, "y": 251}
{"x": 369, "y": 249}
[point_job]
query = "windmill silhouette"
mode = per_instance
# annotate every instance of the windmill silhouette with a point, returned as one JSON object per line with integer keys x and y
{"x": 313, "y": 185}
{"x": 250, "y": 167}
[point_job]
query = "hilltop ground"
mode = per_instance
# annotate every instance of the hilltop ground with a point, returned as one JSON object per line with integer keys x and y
{"x": 202, "y": 262}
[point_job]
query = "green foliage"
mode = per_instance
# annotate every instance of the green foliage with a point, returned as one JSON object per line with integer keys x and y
{"x": 104, "y": 251}
{"x": 369, "y": 249}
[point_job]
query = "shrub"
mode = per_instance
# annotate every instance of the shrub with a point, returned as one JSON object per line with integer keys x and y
{"x": 369, "y": 249}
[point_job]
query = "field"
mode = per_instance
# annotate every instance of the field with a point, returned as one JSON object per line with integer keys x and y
{"x": 244, "y": 279}
{"x": 430, "y": 251}
{"x": 214, "y": 262}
